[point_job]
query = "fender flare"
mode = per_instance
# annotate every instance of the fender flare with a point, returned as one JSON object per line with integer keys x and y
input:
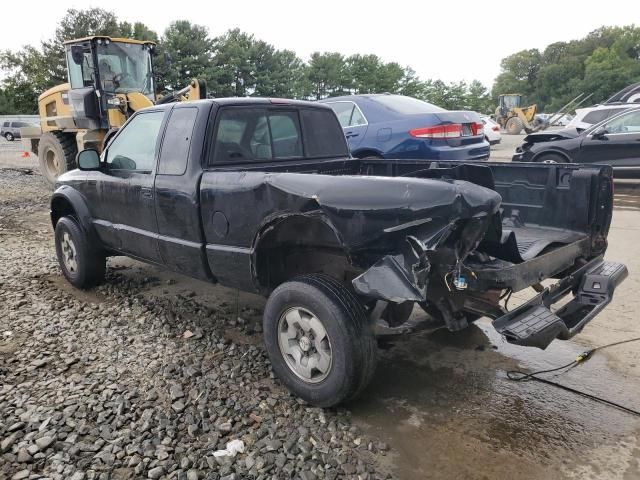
{"x": 273, "y": 221}
{"x": 65, "y": 198}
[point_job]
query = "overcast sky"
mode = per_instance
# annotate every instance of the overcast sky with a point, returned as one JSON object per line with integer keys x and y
{"x": 452, "y": 39}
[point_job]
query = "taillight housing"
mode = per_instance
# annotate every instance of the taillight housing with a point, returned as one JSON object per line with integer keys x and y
{"x": 477, "y": 128}
{"x": 496, "y": 128}
{"x": 453, "y": 130}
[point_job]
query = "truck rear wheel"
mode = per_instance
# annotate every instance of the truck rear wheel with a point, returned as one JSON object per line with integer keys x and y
{"x": 319, "y": 340}
{"x": 56, "y": 155}
{"x": 514, "y": 126}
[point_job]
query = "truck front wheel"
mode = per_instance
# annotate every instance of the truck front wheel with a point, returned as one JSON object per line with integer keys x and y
{"x": 318, "y": 339}
{"x": 81, "y": 264}
{"x": 56, "y": 155}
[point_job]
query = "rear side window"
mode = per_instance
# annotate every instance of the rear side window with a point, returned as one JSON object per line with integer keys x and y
{"x": 598, "y": 116}
{"x": 257, "y": 134}
{"x": 6, "y": 124}
{"x": 406, "y": 105}
{"x": 323, "y": 136}
{"x": 177, "y": 141}
{"x": 348, "y": 113}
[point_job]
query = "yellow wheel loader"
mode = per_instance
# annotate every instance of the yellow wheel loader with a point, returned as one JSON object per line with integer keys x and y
{"x": 513, "y": 118}
{"x": 109, "y": 80}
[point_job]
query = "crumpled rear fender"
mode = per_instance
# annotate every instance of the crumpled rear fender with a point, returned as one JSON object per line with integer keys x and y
{"x": 405, "y": 276}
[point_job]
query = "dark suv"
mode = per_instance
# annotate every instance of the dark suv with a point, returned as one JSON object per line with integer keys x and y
{"x": 11, "y": 130}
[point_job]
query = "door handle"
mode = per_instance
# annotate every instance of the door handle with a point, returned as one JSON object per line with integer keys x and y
{"x": 351, "y": 134}
{"x": 146, "y": 193}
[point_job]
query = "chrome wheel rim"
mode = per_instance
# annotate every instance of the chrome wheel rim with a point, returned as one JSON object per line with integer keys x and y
{"x": 304, "y": 344}
{"x": 549, "y": 161}
{"x": 69, "y": 253}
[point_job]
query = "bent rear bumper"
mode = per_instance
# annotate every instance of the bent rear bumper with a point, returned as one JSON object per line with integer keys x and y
{"x": 534, "y": 324}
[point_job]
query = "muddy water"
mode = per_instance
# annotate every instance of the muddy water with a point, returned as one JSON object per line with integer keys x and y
{"x": 445, "y": 407}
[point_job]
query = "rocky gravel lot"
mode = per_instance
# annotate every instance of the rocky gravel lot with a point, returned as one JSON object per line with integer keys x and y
{"x": 113, "y": 384}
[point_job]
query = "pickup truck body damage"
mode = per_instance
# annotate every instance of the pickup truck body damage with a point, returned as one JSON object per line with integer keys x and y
{"x": 396, "y": 242}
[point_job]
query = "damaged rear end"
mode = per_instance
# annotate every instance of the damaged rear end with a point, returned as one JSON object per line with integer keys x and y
{"x": 501, "y": 235}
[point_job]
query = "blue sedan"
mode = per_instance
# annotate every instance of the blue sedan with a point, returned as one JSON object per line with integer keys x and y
{"x": 395, "y": 126}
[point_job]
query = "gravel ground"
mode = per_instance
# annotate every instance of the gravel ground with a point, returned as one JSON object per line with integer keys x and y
{"x": 113, "y": 384}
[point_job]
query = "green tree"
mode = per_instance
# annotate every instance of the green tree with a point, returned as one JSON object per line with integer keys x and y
{"x": 477, "y": 98}
{"x": 600, "y": 64}
{"x": 328, "y": 75}
{"x": 185, "y": 52}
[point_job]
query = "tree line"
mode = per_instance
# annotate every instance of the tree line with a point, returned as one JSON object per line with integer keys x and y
{"x": 601, "y": 63}
{"x": 238, "y": 64}
{"x": 233, "y": 64}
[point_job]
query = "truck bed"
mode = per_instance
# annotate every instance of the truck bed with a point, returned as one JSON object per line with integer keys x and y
{"x": 550, "y": 213}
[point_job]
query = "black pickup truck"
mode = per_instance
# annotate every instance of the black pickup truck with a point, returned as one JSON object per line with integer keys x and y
{"x": 262, "y": 195}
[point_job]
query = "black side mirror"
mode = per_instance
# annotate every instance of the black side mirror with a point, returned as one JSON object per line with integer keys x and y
{"x": 599, "y": 133}
{"x": 88, "y": 159}
{"x": 77, "y": 54}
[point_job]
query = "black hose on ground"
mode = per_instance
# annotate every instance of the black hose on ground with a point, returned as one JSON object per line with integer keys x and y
{"x": 519, "y": 376}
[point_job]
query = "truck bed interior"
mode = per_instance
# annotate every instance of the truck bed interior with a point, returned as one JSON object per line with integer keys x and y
{"x": 546, "y": 208}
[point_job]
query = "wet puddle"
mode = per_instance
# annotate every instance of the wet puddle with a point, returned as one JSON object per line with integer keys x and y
{"x": 443, "y": 403}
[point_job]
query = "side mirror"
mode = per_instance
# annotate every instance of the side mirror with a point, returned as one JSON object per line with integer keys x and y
{"x": 599, "y": 133}
{"x": 88, "y": 160}
{"x": 77, "y": 54}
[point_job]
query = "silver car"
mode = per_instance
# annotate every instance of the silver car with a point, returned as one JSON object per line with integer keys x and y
{"x": 11, "y": 130}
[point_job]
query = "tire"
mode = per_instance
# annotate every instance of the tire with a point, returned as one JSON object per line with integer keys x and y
{"x": 551, "y": 158}
{"x": 305, "y": 306}
{"x": 9, "y": 137}
{"x": 81, "y": 264}
{"x": 514, "y": 126}
{"x": 56, "y": 155}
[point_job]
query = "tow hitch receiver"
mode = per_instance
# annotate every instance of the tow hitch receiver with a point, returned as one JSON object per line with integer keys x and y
{"x": 533, "y": 324}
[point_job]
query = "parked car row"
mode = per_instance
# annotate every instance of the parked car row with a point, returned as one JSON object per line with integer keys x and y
{"x": 614, "y": 141}
{"x": 399, "y": 127}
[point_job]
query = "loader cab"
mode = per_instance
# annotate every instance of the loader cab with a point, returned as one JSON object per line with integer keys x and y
{"x": 105, "y": 75}
{"x": 509, "y": 101}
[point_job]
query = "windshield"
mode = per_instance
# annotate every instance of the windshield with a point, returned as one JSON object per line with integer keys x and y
{"x": 125, "y": 67}
{"x": 406, "y": 105}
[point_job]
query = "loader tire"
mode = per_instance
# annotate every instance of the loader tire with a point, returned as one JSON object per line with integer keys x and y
{"x": 56, "y": 155}
{"x": 514, "y": 126}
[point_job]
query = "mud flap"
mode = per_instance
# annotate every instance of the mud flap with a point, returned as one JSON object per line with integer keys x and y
{"x": 533, "y": 324}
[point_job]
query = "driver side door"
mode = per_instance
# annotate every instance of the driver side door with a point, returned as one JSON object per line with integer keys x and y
{"x": 619, "y": 146}
{"x": 123, "y": 206}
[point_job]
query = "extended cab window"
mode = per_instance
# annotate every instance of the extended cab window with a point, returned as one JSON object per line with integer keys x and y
{"x": 135, "y": 146}
{"x": 257, "y": 134}
{"x": 177, "y": 141}
{"x": 323, "y": 136}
